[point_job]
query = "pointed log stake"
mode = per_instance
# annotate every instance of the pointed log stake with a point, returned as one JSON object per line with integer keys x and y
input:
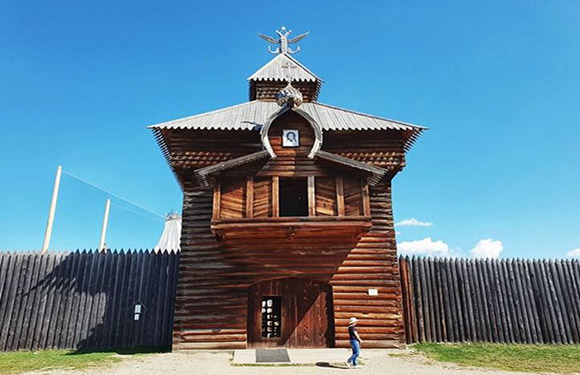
{"x": 102, "y": 245}
{"x": 48, "y": 232}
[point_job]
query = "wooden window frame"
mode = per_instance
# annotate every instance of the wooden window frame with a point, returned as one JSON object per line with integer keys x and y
{"x": 311, "y": 194}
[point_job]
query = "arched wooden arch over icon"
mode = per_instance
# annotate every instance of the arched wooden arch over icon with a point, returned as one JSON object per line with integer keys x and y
{"x": 317, "y": 129}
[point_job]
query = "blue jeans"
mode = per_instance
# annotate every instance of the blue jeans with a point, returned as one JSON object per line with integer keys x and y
{"x": 355, "y": 345}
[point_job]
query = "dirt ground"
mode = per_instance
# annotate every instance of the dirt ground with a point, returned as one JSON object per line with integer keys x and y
{"x": 204, "y": 363}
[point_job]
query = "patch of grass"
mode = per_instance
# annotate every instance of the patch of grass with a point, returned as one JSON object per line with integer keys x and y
{"x": 563, "y": 359}
{"x": 24, "y": 361}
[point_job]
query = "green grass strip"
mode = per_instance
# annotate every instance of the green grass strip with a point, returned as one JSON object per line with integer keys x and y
{"x": 563, "y": 359}
{"x": 24, "y": 361}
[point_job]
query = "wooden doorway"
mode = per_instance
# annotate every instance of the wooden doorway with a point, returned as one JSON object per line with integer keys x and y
{"x": 290, "y": 312}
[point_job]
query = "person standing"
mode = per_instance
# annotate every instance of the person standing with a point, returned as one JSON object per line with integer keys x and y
{"x": 355, "y": 342}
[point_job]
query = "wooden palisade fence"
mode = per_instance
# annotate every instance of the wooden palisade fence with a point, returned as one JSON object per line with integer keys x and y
{"x": 507, "y": 301}
{"x": 86, "y": 300}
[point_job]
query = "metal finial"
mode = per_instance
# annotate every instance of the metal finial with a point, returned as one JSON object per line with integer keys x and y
{"x": 283, "y": 41}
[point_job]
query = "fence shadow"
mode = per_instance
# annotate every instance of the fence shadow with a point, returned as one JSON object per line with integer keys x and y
{"x": 86, "y": 300}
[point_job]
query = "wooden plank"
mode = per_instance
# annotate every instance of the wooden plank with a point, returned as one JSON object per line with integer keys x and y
{"x": 145, "y": 293}
{"x": 4, "y": 261}
{"x": 545, "y": 318}
{"x": 249, "y": 197}
{"x": 520, "y": 294}
{"x": 63, "y": 291}
{"x": 216, "y": 200}
{"x": 542, "y": 320}
{"x": 28, "y": 325}
{"x": 121, "y": 302}
{"x": 95, "y": 327}
{"x": 560, "y": 308}
{"x": 487, "y": 312}
{"x": 153, "y": 318}
{"x": 465, "y": 282}
{"x": 311, "y": 197}
{"x": 504, "y": 302}
{"x": 275, "y": 196}
{"x": 16, "y": 318}
{"x": 132, "y": 298}
{"x": 573, "y": 298}
{"x": 79, "y": 299}
{"x": 7, "y": 303}
{"x": 448, "y": 303}
{"x": 478, "y": 321}
{"x": 418, "y": 286}
{"x": 86, "y": 304}
{"x": 73, "y": 264}
{"x": 563, "y": 290}
{"x": 428, "y": 300}
{"x": 106, "y": 306}
{"x": 170, "y": 293}
{"x": 407, "y": 295}
{"x": 366, "y": 198}
{"x": 440, "y": 302}
{"x": 459, "y": 308}
{"x": 516, "y": 313}
{"x": 57, "y": 311}
{"x": 164, "y": 265}
{"x": 340, "y": 196}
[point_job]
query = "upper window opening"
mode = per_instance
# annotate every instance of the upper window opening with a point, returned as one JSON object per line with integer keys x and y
{"x": 293, "y": 197}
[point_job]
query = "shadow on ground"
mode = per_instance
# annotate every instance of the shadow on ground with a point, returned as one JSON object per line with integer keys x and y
{"x": 330, "y": 365}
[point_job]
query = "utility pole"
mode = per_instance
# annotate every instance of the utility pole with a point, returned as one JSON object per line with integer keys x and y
{"x": 102, "y": 245}
{"x": 48, "y": 231}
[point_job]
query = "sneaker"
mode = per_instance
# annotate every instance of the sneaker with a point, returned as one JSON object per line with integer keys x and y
{"x": 347, "y": 363}
{"x": 356, "y": 367}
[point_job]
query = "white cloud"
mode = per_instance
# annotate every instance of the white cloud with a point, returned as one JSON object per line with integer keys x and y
{"x": 574, "y": 253}
{"x": 487, "y": 248}
{"x": 412, "y": 222}
{"x": 426, "y": 246}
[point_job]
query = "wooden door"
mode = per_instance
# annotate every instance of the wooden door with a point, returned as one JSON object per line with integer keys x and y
{"x": 306, "y": 314}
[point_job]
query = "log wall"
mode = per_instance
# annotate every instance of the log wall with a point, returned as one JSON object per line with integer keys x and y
{"x": 506, "y": 301}
{"x": 215, "y": 276}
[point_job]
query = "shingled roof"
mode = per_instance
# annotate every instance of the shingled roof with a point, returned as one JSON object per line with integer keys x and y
{"x": 283, "y": 67}
{"x": 252, "y": 116}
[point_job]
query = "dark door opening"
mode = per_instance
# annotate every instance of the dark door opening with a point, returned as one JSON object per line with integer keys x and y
{"x": 290, "y": 312}
{"x": 293, "y": 197}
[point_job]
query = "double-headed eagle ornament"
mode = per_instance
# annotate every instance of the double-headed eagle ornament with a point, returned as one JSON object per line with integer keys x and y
{"x": 283, "y": 41}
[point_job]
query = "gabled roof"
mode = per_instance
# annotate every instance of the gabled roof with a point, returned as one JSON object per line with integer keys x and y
{"x": 202, "y": 174}
{"x": 376, "y": 172}
{"x": 253, "y": 115}
{"x": 281, "y": 67}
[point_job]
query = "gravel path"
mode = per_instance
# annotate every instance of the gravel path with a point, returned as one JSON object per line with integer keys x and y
{"x": 203, "y": 363}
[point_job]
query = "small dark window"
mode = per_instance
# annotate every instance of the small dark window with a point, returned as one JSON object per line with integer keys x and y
{"x": 271, "y": 316}
{"x": 293, "y": 197}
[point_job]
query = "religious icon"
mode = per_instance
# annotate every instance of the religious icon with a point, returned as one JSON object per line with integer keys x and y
{"x": 290, "y": 138}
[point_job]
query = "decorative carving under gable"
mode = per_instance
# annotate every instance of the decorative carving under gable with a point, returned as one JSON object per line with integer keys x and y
{"x": 317, "y": 129}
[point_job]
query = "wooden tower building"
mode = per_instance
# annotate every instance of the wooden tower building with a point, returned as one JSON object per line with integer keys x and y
{"x": 287, "y": 219}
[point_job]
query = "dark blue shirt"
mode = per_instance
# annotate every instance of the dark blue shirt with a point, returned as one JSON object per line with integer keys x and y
{"x": 351, "y": 331}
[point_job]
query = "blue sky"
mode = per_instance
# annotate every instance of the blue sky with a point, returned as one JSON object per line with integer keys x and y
{"x": 497, "y": 82}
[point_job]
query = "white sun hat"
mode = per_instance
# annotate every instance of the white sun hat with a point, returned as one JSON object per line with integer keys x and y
{"x": 352, "y": 320}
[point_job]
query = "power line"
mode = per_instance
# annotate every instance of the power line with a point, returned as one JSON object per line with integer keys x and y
{"x": 136, "y": 212}
{"x": 114, "y": 195}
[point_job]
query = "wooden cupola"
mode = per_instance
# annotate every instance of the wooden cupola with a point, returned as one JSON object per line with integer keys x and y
{"x": 272, "y": 77}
